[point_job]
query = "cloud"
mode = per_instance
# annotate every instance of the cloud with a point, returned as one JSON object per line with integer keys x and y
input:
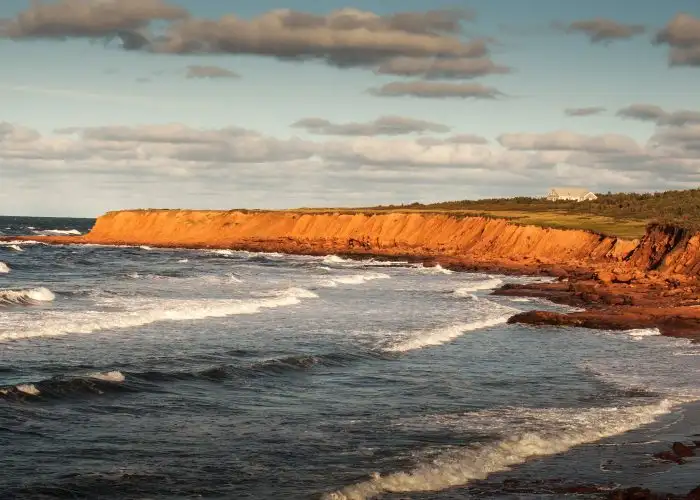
{"x": 385, "y": 125}
{"x": 438, "y": 90}
{"x": 455, "y": 139}
{"x": 196, "y": 71}
{"x": 682, "y": 35}
{"x": 345, "y": 37}
{"x": 145, "y": 165}
{"x": 563, "y": 140}
{"x": 589, "y": 111}
{"x": 601, "y": 30}
{"x": 652, "y": 113}
{"x": 686, "y": 138}
{"x": 433, "y": 68}
{"x": 78, "y": 18}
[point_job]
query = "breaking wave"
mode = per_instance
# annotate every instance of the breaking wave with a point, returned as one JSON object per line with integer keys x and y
{"x": 436, "y": 269}
{"x": 31, "y": 296}
{"x": 353, "y": 279}
{"x": 145, "y": 312}
{"x": 17, "y": 244}
{"x": 59, "y": 387}
{"x": 547, "y": 432}
{"x": 207, "y": 278}
{"x": 643, "y": 332}
{"x": 442, "y": 335}
{"x": 4, "y": 268}
{"x": 372, "y": 262}
{"x": 57, "y": 232}
{"x": 478, "y": 285}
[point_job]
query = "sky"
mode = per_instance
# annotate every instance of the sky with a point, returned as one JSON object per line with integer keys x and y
{"x": 116, "y": 104}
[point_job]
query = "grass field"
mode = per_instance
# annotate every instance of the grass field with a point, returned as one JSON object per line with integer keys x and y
{"x": 622, "y": 228}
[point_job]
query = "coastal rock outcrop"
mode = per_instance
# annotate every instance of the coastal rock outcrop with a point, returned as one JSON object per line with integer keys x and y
{"x": 647, "y": 283}
{"x": 425, "y": 235}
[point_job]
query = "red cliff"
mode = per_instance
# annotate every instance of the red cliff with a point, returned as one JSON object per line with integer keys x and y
{"x": 651, "y": 282}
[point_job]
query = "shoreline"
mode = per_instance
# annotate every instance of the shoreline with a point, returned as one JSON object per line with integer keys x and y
{"x": 613, "y": 297}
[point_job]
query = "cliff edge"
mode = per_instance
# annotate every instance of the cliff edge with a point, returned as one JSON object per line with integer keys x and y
{"x": 467, "y": 240}
{"x": 652, "y": 282}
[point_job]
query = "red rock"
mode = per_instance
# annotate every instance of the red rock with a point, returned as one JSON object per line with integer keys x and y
{"x": 668, "y": 456}
{"x": 694, "y": 494}
{"x": 682, "y": 450}
{"x": 605, "y": 277}
{"x": 622, "y": 278}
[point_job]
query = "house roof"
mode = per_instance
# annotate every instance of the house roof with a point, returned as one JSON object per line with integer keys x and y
{"x": 571, "y": 191}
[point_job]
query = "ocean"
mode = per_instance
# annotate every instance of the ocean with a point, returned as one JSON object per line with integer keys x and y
{"x": 140, "y": 373}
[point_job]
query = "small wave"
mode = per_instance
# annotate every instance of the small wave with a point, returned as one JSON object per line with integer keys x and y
{"x": 479, "y": 285}
{"x": 225, "y": 253}
{"x": 476, "y": 463}
{"x": 57, "y": 232}
{"x": 372, "y": 262}
{"x": 4, "y": 268}
{"x": 57, "y": 387}
{"x": 114, "y": 376}
{"x": 183, "y": 261}
{"x": 17, "y": 245}
{"x": 439, "y": 336}
{"x": 140, "y": 313}
{"x": 145, "y": 247}
{"x": 293, "y": 292}
{"x": 462, "y": 293}
{"x": 643, "y": 332}
{"x": 176, "y": 276}
{"x": 244, "y": 254}
{"x": 30, "y": 296}
{"x": 297, "y": 363}
{"x": 353, "y": 279}
{"x": 436, "y": 269}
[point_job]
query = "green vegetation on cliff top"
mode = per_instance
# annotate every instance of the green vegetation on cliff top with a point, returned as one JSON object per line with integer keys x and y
{"x": 625, "y": 215}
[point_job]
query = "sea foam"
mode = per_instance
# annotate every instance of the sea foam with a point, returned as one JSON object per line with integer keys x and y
{"x": 353, "y": 279}
{"x": 441, "y": 335}
{"x": 548, "y": 436}
{"x": 139, "y": 312}
{"x": 488, "y": 284}
{"x": 30, "y": 296}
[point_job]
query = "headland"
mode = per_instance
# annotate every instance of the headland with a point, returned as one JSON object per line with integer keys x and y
{"x": 647, "y": 282}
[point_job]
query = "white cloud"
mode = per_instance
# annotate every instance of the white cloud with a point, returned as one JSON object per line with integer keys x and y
{"x": 235, "y": 167}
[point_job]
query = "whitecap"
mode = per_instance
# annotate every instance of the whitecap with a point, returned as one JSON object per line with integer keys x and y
{"x": 138, "y": 312}
{"x": 352, "y": 279}
{"x": 442, "y": 335}
{"x": 488, "y": 284}
{"x": 4, "y": 268}
{"x": 436, "y": 269}
{"x": 544, "y": 437}
{"x": 57, "y": 232}
{"x": 643, "y": 332}
{"x": 26, "y": 297}
{"x": 113, "y": 376}
{"x": 28, "y": 389}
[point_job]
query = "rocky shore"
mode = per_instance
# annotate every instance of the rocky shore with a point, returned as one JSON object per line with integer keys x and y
{"x": 618, "y": 302}
{"x": 620, "y": 284}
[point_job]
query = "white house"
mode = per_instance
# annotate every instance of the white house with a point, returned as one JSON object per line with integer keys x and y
{"x": 570, "y": 193}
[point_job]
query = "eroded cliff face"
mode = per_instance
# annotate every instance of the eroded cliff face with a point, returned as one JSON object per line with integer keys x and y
{"x": 668, "y": 249}
{"x": 474, "y": 239}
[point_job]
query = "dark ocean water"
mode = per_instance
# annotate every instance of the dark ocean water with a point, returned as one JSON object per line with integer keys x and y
{"x": 131, "y": 372}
